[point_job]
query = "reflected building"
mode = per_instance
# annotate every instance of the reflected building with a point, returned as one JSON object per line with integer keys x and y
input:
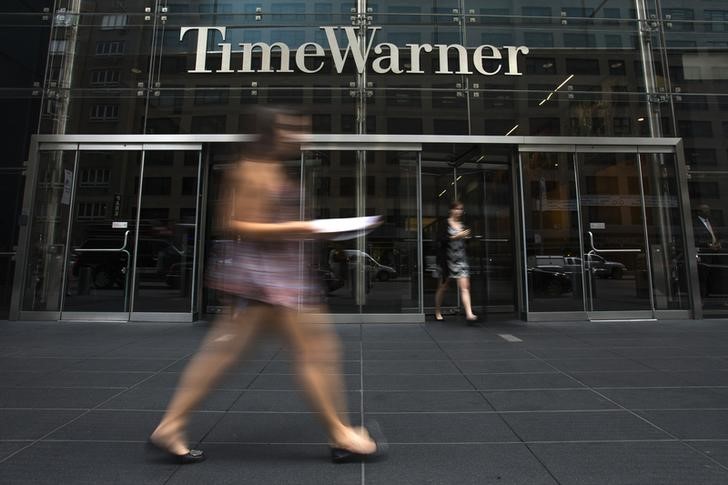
{"x": 581, "y": 138}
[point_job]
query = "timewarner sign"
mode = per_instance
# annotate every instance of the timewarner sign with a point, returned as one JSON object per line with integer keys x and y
{"x": 310, "y": 57}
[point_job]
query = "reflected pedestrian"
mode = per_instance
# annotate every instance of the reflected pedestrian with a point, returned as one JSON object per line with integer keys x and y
{"x": 261, "y": 274}
{"x": 453, "y": 262}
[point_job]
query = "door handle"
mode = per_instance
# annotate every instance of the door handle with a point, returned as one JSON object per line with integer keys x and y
{"x": 595, "y": 250}
{"x": 122, "y": 249}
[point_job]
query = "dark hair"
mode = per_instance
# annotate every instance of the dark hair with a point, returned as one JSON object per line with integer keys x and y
{"x": 262, "y": 121}
{"x": 455, "y": 204}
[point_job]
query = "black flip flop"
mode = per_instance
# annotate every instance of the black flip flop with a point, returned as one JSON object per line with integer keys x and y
{"x": 192, "y": 456}
{"x": 342, "y": 455}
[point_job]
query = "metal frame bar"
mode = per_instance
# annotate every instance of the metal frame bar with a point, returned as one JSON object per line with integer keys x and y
{"x": 681, "y": 170}
{"x": 353, "y": 139}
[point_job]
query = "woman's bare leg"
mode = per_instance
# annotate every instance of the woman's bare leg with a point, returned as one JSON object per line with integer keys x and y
{"x": 316, "y": 352}
{"x": 464, "y": 286}
{"x": 220, "y": 350}
{"x": 439, "y": 295}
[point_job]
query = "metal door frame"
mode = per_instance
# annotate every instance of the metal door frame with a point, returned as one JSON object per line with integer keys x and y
{"x": 78, "y": 144}
{"x": 644, "y": 146}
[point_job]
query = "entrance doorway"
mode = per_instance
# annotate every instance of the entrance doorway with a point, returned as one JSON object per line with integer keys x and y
{"x": 602, "y": 233}
{"x": 114, "y": 232}
{"x": 480, "y": 176}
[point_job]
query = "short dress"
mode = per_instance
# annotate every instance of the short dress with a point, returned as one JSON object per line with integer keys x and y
{"x": 457, "y": 262}
{"x": 267, "y": 271}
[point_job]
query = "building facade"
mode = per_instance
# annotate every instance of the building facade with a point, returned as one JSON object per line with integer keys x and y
{"x": 586, "y": 139}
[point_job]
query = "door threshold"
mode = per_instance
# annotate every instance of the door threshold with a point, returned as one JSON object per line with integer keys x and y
{"x": 618, "y": 320}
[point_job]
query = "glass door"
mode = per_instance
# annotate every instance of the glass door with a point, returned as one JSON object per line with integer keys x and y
{"x": 485, "y": 190}
{"x": 603, "y": 235}
{"x": 377, "y": 273}
{"x": 102, "y": 234}
{"x": 616, "y": 262}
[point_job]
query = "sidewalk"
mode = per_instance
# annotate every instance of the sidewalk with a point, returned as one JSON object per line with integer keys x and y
{"x": 578, "y": 403}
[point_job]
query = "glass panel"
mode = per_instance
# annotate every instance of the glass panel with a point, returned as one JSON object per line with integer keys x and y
{"x": 710, "y": 226}
{"x": 98, "y": 68}
{"x": 616, "y": 264}
{"x": 486, "y": 194}
{"x": 102, "y": 231}
{"x": 220, "y": 97}
{"x": 551, "y": 224}
{"x": 48, "y": 231}
{"x": 438, "y": 191}
{"x": 391, "y": 250}
{"x": 167, "y": 226}
{"x": 665, "y": 232}
{"x": 485, "y": 190}
{"x": 331, "y": 189}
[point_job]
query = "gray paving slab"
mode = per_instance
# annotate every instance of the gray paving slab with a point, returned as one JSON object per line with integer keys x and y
{"x": 424, "y": 401}
{"x": 152, "y": 399}
{"x": 547, "y": 400}
{"x": 509, "y": 381}
{"x": 393, "y": 367}
{"x": 31, "y": 424}
{"x": 7, "y": 448}
{"x": 284, "y": 401}
{"x": 85, "y": 463}
{"x": 290, "y": 382}
{"x": 268, "y": 428}
{"x": 676, "y": 398}
{"x": 236, "y": 464}
{"x": 661, "y": 463}
{"x": 475, "y": 464}
{"x": 503, "y": 366}
{"x": 54, "y": 398}
{"x": 691, "y": 424}
{"x": 717, "y": 450}
{"x": 114, "y": 425}
{"x": 581, "y": 426}
{"x": 445, "y": 428}
{"x": 416, "y": 382}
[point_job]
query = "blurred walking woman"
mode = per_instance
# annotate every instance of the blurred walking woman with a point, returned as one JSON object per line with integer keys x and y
{"x": 453, "y": 262}
{"x": 260, "y": 273}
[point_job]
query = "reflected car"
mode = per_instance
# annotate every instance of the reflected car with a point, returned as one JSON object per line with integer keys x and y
{"x": 109, "y": 268}
{"x": 546, "y": 281}
{"x": 379, "y": 271}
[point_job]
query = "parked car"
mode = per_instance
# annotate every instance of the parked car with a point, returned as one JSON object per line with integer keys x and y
{"x": 549, "y": 281}
{"x": 607, "y": 269}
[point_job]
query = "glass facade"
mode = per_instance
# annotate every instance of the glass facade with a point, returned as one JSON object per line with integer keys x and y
{"x": 554, "y": 231}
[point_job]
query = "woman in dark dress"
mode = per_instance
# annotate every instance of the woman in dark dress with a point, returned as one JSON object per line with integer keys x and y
{"x": 453, "y": 261}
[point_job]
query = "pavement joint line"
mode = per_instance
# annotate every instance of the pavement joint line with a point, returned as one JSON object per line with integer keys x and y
{"x": 650, "y": 423}
{"x": 3, "y": 460}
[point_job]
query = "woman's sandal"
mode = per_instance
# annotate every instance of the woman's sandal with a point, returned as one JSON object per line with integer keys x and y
{"x": 192, "y": 456}
{"x": 342, "y": 455}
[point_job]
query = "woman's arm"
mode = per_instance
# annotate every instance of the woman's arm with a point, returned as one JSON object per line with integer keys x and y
{"x": 268, "y": 230}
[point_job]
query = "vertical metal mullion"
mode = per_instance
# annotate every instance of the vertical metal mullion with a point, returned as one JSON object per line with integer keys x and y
{"x": 23, "y": 250}
{"x": 199, "y": 231}
{"x": 361, "y": 274}
{"x": 301, "y": 216}
{"x": 587, "y": 299}
{"x": 67, "y": 252}
{"x": 648, "y": 254}
{"x": 131, "y": 291}
{"x": 690, "y": 253}
{"x": 524, "y": 253}
{"x": 420, "y": 242}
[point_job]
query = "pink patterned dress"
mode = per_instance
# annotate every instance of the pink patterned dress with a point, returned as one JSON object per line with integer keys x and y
{"x": 268, "y": 271}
